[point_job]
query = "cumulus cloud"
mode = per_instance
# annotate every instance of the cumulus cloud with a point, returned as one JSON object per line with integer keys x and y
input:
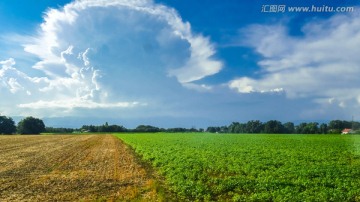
{"x": 16, "y": 82}
{"x": 142, "y": 28}
{"x": 322, "y": 64}
{"x": 109, "y": 54}
{"x": 7, "y": 63}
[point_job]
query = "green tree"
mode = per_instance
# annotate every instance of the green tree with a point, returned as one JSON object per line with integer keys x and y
{"x": 147, "y": 129}
{"x": 254, "y": 126}
{"x": 59, "y": 130}
{"x": 234, "y": 127}
{"x": 212, "y": 129}
{"x": 323, "y": 128}
{"x": 224, "y": 129}
{"x": 7, "y": 125}
{"x": 301, "y": 128}
{"x": 289, "y": 127}
{"x": 307, "y": 128}
{"x": 273, "y": 127}
{"x": 31, "y": 125}
{"x": 355, "y": 125}
{"x": 312, "y": 128}
{"x": 338, "y": 125}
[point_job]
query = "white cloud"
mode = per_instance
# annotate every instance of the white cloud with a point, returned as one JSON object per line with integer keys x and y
{"x": 323, "y": 64}
{"x": 88, "y": 17}
{"x": 76, "y": 103}
{"x": 200, "y": 63}
{"x": 243, "y": 85}
{"x": 198, "y": 87}
{"x": 14, "y": 85}
{"x": 7, "y": 63}
{"x": 107, "y": 54}
{"x": 15, "y": 81}
{"x": 248, "y": 85}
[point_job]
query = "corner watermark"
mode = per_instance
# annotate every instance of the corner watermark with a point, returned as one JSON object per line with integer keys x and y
{"x": 306, "y": 9}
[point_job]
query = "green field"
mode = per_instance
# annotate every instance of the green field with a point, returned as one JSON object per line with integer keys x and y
{"x": 231, "y": 167}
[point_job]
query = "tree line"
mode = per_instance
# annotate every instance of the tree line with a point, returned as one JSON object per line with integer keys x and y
{"x": 276, "y": 127}
{"x": 139, "y": 129}
{"x": 31, "y": 125}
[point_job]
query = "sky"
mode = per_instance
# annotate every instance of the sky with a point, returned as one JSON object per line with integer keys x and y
{"x": 176, "y": 63}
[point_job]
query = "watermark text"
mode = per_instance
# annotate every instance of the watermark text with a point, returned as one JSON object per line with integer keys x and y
{"x": 305, "y": 9}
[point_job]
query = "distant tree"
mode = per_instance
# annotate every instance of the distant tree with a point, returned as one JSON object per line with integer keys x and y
{"x": 338, "y": 125}
{"x": 300, "y": 129}
{"x": 116, "y": 128}
{"x": 110, "y": 128}
{"x": 224, "y": 129}
{"x": 213, "y": 129}
{"x": 89, "y": 128}
{"x": 58, "y": 130}
{"x": 323, "y": 129}
{"x": 273, "y": 127}
{"x": 355, "y": 125}
{"x": 176, "y": 130}
{"x": 105, "y": 128}
{"x": 7, "y": 125}
{"x": 254, "y": 126}
{"x": 289, "y": 127}
{"x": 307, "y": 128}
{"x": 312, "y": 128}
{"x": 234, "y": 127}
{"x": 192, "y": 129}
{"x": 147, "y": 129}
{"x": 31, "y": 125}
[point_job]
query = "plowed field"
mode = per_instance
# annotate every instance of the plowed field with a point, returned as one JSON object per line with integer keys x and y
{"x": 71, "y": 168}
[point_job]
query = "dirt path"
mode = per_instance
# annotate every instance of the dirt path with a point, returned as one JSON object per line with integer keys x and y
{"x": 71, "y": 168}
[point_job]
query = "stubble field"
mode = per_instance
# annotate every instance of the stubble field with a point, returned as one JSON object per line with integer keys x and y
{"x": 71, "y": 168}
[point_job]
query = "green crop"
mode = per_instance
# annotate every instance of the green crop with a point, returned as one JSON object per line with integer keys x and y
{"x": 232, "y": 167}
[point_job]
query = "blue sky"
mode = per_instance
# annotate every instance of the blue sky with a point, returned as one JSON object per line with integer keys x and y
{"x": 174, "y": 63}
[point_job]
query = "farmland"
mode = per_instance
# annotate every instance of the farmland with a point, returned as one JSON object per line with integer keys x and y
{"x": 71, "y": 168}
{"x": 185, "y": 167}
{"x": 229, "y": 167}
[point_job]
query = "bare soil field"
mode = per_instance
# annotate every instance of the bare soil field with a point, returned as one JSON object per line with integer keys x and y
{"x": 72, "y": 168}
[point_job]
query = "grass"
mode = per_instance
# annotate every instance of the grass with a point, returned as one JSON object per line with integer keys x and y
{"x": 231, "y": 167}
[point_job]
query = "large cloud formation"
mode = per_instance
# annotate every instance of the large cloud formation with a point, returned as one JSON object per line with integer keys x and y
{"x": 107, "y": 54}
{"x": 135, "y": 59}
{"x": 322, "y": 64}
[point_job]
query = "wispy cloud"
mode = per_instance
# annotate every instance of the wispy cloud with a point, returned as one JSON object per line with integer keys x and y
{"x": 321, "y": 65}
{"x": 75, "y": 103}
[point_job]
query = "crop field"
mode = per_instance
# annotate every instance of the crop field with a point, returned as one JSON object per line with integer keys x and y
{"x": 71, "y": 168}
{"x": 230, "y": 167}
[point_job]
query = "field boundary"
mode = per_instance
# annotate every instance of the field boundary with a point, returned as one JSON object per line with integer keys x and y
{"x": 159, "y": 184}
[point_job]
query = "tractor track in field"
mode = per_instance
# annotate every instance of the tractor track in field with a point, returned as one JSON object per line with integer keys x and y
{"x": 72, "y": 168}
